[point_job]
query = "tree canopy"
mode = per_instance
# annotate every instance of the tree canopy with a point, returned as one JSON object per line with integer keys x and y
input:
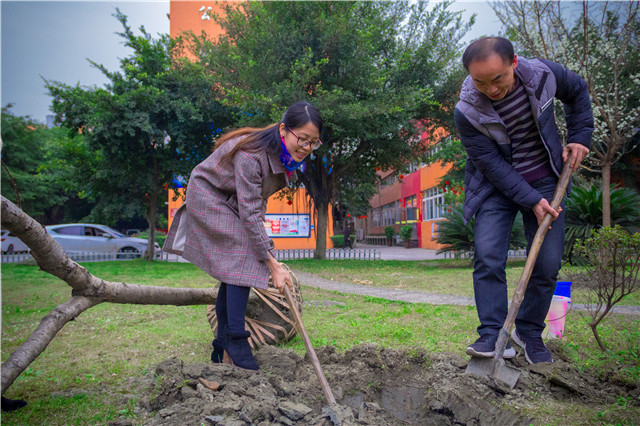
{"x": 151, "y": 122}
{"x": 371, "y": 68}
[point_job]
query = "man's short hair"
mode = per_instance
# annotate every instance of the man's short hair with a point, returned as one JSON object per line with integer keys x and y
{"x": 484, "y": 47}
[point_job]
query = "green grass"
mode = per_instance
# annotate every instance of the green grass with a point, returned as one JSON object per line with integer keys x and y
{"x": 85, "y": 374}
{"x": 445, "y": 276}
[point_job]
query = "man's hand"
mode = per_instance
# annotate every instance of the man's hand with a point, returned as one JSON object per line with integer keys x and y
{"x": 577, "y": 153}
{"x": 542, "y": 208}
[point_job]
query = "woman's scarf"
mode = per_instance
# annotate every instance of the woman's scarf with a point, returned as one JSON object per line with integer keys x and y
{"x": 286, "y": 159}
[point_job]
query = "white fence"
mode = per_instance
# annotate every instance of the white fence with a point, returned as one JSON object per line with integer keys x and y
{"x": 513, "y": 254}
{"x": 83, "y": 256}
{"x": 339, "y": 253}
{"x": 362, "y": 254}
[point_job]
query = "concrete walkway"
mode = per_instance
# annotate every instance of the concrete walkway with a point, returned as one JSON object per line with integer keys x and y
{"x": 400, "y": 295}
{"x": 401, "y": 253}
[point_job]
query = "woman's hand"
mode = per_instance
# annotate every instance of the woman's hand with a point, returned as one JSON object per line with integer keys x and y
{"x": 279, "y": 275}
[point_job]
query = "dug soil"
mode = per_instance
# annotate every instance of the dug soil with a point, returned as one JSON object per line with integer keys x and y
{"x": 372, "y": 385}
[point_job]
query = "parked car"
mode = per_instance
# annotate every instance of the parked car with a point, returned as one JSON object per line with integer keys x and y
{"x": 10, "y": 244}
{"x": 85, "y": 237}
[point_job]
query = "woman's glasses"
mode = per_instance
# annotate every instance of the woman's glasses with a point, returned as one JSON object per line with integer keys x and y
{"x": 304, "y": 142}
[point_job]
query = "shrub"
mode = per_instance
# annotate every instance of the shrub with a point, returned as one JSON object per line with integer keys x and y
{"x": 583, "y": 214}
{"x": 611, "y": 272}
{"x": 389, "y": 232}
{"x": 406, "y": 232}
{"x": 338, "y": 240}
{"x": 455, "y": 235}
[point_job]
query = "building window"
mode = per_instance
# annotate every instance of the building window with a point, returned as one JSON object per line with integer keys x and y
{"x": 411, "y": 204}
{"x": 389, "y": 212}
{"x": 389, "y": 180}
{"x": 375, "y": 217}
{"x": 432, "y": 203}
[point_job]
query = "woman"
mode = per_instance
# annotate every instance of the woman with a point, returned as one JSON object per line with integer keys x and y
{"x": 220, "y": 228}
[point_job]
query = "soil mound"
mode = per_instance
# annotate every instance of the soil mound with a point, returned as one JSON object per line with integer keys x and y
{"x": 373, "y": 386}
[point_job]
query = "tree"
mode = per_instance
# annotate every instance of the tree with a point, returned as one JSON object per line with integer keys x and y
{"x": 611, "y": 273}
{"x": 152, "y": 121}
{"x": 369, "y": 67}
{"x": 603, "y": 46}
{"x": 33, "y": 164}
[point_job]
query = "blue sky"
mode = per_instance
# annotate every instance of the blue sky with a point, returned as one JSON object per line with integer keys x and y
{"x": 53, "y": 39}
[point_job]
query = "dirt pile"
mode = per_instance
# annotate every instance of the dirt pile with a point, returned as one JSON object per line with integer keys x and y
{"x": 373, "y": 386}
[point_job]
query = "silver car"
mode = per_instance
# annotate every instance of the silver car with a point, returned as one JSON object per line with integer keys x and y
{"x": 86, "y": 237}
{"x": 11, "y": 244}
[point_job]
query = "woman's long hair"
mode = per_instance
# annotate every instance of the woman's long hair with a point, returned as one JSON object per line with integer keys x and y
{"x": 256, "y": 139}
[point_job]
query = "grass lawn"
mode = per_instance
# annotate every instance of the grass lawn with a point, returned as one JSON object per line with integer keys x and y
{"x": 85, "y": 375}
{"x": 446, "y": 276}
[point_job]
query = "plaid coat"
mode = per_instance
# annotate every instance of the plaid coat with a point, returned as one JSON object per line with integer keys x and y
{"x": 220, "y": 227}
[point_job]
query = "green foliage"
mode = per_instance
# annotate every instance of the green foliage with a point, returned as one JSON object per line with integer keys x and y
{"x": 35, "y": 158}
{"x": 583, "y": 213}
{"x": 450, "y": 153}
{"x": 151, "y": 122}
{"x": 338, "y": 240}
{"x": 455, "y": 235}
{"x": 611, "y": 273}
{"x": 371, "y": 68}
{"x": 405, "y": 233}
{"x": 389, "y": 232}
{"x": 159, "y": 237}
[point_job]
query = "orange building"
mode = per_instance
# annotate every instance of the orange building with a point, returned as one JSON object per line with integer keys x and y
{"x": 413, "y": 199}
{"x": 290, "y": 222}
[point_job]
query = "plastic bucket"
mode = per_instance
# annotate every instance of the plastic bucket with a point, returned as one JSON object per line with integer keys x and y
{"x": 563, "y": 288}
{"x": 555, "y": 317}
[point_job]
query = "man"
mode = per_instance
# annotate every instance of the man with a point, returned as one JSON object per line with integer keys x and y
{"x": 347, "y": 236}
{"x": 506, "y": 123}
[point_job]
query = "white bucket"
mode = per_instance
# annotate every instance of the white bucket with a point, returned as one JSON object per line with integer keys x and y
{"x": 555, "y": 317}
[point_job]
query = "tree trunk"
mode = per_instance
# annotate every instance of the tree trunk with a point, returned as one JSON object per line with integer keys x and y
{"x": 606, "y": 194}
{"x": 152, "y": 208}
{"x": 322, "y": 209}
{"x": 594, "y": 326}
{"x": 149, "y": 253}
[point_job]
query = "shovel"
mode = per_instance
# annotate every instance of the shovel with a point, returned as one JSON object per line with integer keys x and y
{"x": 495, "y": 367}
{"x": 333, "y": 410}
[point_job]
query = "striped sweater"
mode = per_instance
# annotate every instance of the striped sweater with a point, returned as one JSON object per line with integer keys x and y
{"x": 529, "y": 156}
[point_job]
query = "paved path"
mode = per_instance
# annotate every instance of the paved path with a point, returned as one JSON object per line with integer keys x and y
{"x": 317, "y": 281}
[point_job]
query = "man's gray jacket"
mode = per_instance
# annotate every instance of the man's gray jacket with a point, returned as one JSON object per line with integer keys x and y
{"x": 484, "y": 134}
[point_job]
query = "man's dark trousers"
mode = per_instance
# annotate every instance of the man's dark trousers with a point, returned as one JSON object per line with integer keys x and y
{"x": 493, "y": 223}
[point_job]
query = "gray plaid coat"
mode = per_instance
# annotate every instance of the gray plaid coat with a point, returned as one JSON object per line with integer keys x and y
{"x": 220, "y": 227}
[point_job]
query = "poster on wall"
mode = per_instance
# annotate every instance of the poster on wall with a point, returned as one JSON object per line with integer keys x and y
{"x": 287, "y": 225}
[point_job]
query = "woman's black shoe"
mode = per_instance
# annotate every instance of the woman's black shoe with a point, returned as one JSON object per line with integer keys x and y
{"x": 218, "y": 351}
{"x": 12, "y": 404}
{"x": 239, "y": 351}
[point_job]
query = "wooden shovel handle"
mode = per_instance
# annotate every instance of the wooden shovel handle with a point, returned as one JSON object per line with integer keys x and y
{"x": 307, "y": 344}
{"x": 518, "y": 295}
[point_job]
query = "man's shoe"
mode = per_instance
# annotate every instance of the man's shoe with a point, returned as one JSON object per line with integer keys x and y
{"x": 485, "y": 346}
{"x": 534, "y": 349}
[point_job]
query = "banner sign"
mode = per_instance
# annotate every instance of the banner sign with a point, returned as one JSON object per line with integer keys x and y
{"x": 287, "y": 225}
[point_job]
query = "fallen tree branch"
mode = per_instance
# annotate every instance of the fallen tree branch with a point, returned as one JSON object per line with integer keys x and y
{"x": 87, "y": 290}
{"x": 41, "y": 337}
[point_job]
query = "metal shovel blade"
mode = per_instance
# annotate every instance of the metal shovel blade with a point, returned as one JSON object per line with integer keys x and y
{"x": 492, "y": 368}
